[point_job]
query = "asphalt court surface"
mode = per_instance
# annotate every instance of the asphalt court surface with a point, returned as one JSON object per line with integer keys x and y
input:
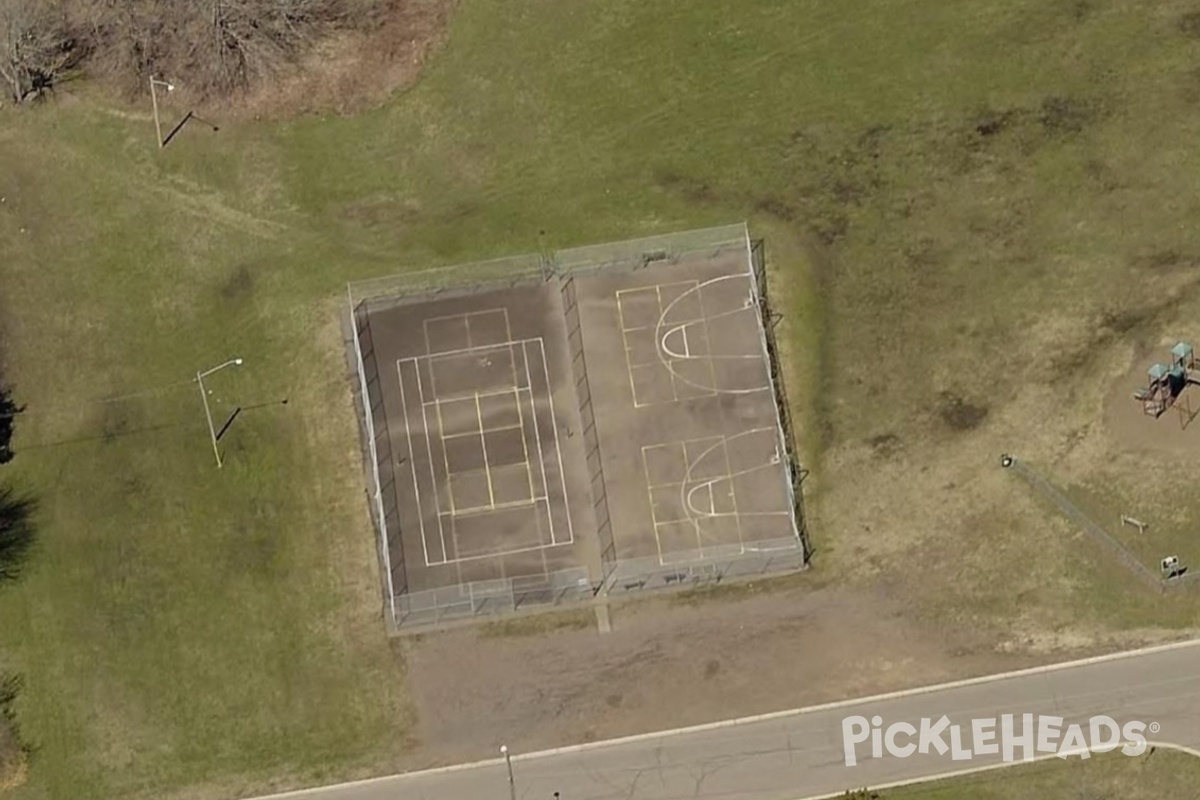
{"x": 481, "y": 416}
{"x": 490, "y": 475}
{"x": 685, "y": 410}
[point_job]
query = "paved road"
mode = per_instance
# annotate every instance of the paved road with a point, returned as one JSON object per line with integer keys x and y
{"x": 800, "y": 754}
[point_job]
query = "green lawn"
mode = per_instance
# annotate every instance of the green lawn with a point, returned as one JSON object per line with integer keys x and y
{"x": 1163, "y": 774}
{"x": 954, "y": 194}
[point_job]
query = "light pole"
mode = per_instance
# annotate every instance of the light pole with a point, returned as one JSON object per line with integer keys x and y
{"x": 212, "y": 431}
{"x": 154, "y": 102}
{"x": 512, "y": 786}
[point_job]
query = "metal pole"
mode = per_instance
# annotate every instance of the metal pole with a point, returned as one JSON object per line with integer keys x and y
{"x": 154, "y": 102}
{"x": 512, "y": 786}
{"x": 212, "y": 431}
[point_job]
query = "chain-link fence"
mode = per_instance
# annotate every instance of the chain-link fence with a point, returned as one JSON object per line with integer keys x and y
{"x": 668, "y": 248}
{"x": 730, "y": 562}
{"x": 1097, "y": 533}
{"x": 783, "y": 412}
{"x": 374, "y": 422}
{"x": 420, "y": 608}
{"x": 499, "y": 596}
{"x": 442, "y": 282}
{"x": 587, "y": 416}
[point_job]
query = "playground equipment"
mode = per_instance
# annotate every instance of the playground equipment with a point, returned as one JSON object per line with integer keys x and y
{"x": 1166, "y": 382}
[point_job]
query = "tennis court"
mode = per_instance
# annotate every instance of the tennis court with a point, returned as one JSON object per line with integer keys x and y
{"x": 603, "y": 420}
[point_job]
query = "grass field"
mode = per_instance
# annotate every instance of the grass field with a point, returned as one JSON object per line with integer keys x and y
{"x": 974, "y": 211}
{"x": 1161, "y": 774}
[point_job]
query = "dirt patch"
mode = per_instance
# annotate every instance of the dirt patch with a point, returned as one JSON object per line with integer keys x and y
{"x": 991, "y": 122}
{"x": 1066, "y": 115}
{"x": 13, "y": 765}
{"x": 13, "y": 756}
{"x": 1189, "y": 24}
{"x": 959, "y": 414}
{"x": 776, "y": 650}
{"x": 353, "y": 72}
{"x": 238, "y": 285}
{"x": 886, "y": 445}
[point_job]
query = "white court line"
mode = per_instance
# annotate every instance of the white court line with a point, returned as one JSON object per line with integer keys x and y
{"x": 495, "y": 351}
{"x": 502, "y": 309}
{"x": 524, "y": 437}
{"x": 737, "y": 519}
{"x": 730, "y": 475}
{"x": 657, "y": 289}
{"x": 484, "y": 395}
{"x": 445, "y": 455}
{"x": 562, "y": 477}
{"x": 412, "y": 463}
{"x": 521, "y": 424}
{"x": 662, "y": 556}
{"x": 432, "y": 477}
{"x": 650, "y": 495}
{"x": 538, "y": 440}
{"x": 501, "y": 429}
{"x": 625, "y": 344}
{"x": 712, "y": 371}
{"x": 466, "y": 318}
{"x": 696, "y": 515}
{"x": 659, "y": 306}
{"x": 487, "y": 470}
{"x": 476, "y": 471}
{"x": 466, "y": 350}
{"x": 683, "y": 500}
{"x": 708, "y": 335}
{"x": 504, "y": 553}
{"x": 632, "y": 290}
{"x": 475, "y": 511}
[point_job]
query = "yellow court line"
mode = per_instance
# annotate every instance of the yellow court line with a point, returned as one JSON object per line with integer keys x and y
{"x": 475, "y": 511}
{"x": 487, "y": 469}
{"x": 437, "y": 493}
{"x": 445, "y": 455}
{"x": 650, "y": 501}
{"x": 478, "y": 470}
{"x": 521, "y": 417}
{"x": 712, "y": 373}
{"x": 625, "y": 343}
{"x": 537, "y": 435}
{"x": 501, "y": 429}
{"x": 463, "y": 397}
{"x": 737, "y": 516}
{"x": 683, "y": 494}
{"x": 412, "y": 465}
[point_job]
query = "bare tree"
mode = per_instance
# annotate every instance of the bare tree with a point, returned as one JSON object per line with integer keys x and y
{"x": 217, "y": 46}
{"x": 36, "y": 47}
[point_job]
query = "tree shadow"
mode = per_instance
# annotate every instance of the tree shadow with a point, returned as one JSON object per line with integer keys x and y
{"x": 8, "y": 414}
{"x": 16, "y": 532}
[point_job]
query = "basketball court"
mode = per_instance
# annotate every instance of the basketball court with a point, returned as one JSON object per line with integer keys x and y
{"x": 574, "y": 427}
{"x": 691, "y": 441}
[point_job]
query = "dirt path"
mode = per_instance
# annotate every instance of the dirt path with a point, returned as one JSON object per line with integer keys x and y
{"x": 669, "y": 664}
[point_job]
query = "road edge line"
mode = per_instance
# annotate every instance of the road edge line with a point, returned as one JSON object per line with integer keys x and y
{"x": 741, "y": 721}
